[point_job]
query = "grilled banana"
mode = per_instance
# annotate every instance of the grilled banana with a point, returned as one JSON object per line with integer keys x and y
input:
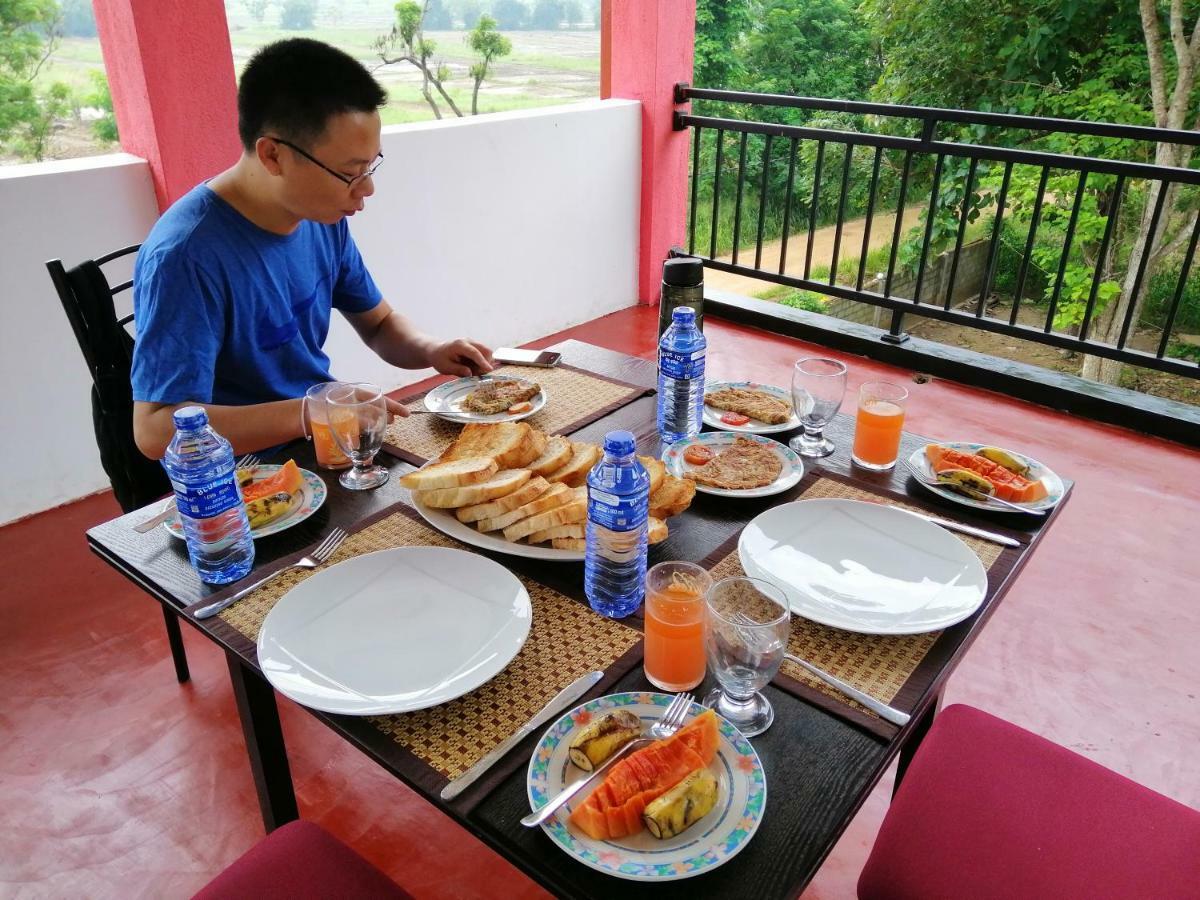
{"x": 266, "y": 510}
{"x": 1006, "y": 459}
{"x": 683, "y": 805}
{"x": 965, "y": 481}
{"x": 602, "y": 738}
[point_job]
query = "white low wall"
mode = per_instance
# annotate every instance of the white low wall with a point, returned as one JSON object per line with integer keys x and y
{"x": 503, "y": 228}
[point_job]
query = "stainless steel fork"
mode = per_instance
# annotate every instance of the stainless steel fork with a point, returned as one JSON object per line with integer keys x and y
{"x": 668, "y": 723}
{"x": 324, "y": 550}
{"x": 249, "y": 461}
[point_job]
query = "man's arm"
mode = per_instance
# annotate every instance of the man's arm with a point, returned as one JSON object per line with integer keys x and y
{"x": 394, "y": 338}
{"x": 247, "y": 428}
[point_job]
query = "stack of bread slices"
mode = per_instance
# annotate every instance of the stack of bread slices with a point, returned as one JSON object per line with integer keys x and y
{"x": 513, "y": 480}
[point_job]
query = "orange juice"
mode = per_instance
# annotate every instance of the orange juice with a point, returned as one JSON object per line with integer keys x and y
{"x": 329, "y": 454}
{"x": 877, "y": 433}
{"x": 674, "y": 625}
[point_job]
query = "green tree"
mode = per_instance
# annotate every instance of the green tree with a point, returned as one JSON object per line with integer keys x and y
{"x": 573, "y": 13}
{"x": 720, "y": 25}
{"x": 510, "y": 15}
{"x": 105, "y": 128}
{"x": 297, "y": 15}
{"x": 257, "y": 9}
{"x": 547, "y": 15}
{"x": 437, "y": 17}
{"x": 29, "y": 32}
{"x": 406, "y": 42}
{"x": 78, "y": 20}
{"x": 469, "y": 12}
{"x": 488, "y": 45}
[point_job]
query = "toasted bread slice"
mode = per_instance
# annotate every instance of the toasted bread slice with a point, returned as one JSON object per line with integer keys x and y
{"x": 567, "y": 514}
{"x": 557, "y": 454}
{"x": 509, "y": 443}
{"x": 499, "y": 485}
{"x": 573, "y": 530}
{"x": 575, "y": 472}
{"x": 530, "y": 490}
{"x": 673, "y": 497}
{"x": 579, "y": 545}
{"x": 657, "y": 533}
{"x": 656, "y": 469}
{"x": 451, "y": 474}
{"x": 556, "y": 495}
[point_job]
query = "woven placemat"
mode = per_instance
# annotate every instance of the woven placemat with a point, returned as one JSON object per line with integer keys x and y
{"x": 574, "y": 398}
{"x": 878, "y": 665}
{"x": 566, "y": 640}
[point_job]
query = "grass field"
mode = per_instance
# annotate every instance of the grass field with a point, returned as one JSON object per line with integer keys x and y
{"x": 545, "y": 67}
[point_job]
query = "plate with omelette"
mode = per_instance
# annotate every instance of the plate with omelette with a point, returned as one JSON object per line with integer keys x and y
{"x": 747, "y": 407}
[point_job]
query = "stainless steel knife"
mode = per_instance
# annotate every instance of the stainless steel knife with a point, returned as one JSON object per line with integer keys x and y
{"x": 960, "y": 527}
{"x": 562, "y": 700}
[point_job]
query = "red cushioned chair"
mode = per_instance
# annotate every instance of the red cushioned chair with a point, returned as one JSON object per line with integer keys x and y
{"x": 301, "y": 861}
{"x": 988, "y": 810}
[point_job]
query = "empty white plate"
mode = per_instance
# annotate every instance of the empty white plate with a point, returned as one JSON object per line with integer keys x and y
{"x": 395, "y": 630}
{"x": 864, "y": 567}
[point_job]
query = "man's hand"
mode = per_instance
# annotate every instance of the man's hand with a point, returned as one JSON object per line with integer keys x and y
{"x": 462, "y": 357}
{"x": 395, "y": 408}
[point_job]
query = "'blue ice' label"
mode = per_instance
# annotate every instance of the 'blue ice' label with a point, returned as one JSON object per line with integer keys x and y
{"x": 681, "y": 365}
{"x": 203, "y": 501}
{"x": 616, "y": 513}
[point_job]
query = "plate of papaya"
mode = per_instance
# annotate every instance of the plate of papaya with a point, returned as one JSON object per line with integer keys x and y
{"x": 276, "y": 498}
{"x": 971, "y": 473}
{"x": 673, "y": 809}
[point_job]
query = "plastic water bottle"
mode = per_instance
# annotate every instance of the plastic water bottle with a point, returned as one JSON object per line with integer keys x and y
{"x": 614, "y": 570}
{"x": 680, "y": 378}
{"x": 200, "y": 465}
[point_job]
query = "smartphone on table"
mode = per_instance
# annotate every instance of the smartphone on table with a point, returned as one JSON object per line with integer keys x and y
{"x": 547, "y": 359}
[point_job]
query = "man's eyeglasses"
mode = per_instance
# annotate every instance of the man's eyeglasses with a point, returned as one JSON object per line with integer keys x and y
{"x": 347, "y": 180}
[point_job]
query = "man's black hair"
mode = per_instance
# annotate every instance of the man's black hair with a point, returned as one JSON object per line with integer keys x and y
{"x": 292, "y": 88}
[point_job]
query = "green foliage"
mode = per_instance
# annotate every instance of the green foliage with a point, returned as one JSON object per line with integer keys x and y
{"x": 297, "y": 15}
{"x": 28, "y": 32}
{"x": 547, "y": 14}
{"x": 1160, "y": 294}
{"x": 489, "y": 45}
{"x": 437, "y": 17}
{"x": 469, "y": 12}
{"x": 78, "y": 20}
{"x": 257, "y": 9}
{"x": 510, "y": 15}
{"x": 105, "y": 128}
{"x": 1184, "y": 351}
{"x": 811, "y": 48}
{"x": 720, "y": 25}
{"x": 805, "y": 300}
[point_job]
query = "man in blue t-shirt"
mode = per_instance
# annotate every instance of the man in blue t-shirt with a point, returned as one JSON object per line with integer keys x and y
{"x": 234, "y": 287}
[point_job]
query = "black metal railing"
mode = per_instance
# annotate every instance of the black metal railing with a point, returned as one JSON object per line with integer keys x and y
{"x": 921, "y": 152}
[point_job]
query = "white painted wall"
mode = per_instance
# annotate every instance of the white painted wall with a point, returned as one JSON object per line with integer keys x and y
{"x": 503, "y": 228}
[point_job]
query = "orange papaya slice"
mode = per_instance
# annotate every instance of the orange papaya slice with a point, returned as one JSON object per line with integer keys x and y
{"x": 287, "y": 480}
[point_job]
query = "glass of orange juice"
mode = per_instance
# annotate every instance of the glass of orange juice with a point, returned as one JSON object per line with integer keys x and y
{"x": 674, "y": 625}
{"x": 879, "y": 424}
{"x": 329, "y": 454}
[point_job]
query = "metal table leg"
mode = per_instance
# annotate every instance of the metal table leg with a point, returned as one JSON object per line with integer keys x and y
{"x": 264, "y": 744}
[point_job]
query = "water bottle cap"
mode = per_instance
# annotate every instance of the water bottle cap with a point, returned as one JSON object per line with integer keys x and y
{"x": 619, "y": 443}
{"x": 683, "y": 315}
{"x": 189, "y": 418}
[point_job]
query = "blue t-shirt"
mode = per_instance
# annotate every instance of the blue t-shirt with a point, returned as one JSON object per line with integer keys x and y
{"x": 231, "y": 314}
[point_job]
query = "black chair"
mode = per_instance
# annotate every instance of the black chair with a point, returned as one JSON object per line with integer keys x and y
{"x": 107, "y": 349}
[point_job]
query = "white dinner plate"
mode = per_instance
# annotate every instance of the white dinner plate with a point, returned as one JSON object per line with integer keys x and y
{"x": 394, "y": 631}
{"x": 789, "y": 476}
{"x": 445, "y": 521}
{"x": 864, "y": 567}
{"x": 311, "y": 498}
{"x": 447, "y": 400}
{"x": 712, "y": 415}
{"x": 715, "y": 839}
{"x": 1037, "y": 472}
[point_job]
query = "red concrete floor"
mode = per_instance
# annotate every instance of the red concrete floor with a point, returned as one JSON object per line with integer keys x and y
{"x": 116, "y": 781}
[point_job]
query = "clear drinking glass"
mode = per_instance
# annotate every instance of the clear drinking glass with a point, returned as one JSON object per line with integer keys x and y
{"x": 818, "y": 386}
{"x": 357, "y": 415}
{"x": 746, "y": 631}
{"x": 329, "y": 454}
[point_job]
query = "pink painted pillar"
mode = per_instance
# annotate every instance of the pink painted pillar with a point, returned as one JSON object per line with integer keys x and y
{"x": 646, "y": 46}
{"x": 170, "y": 70}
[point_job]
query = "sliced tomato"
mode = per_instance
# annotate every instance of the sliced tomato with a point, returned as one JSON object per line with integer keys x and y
{"x": 732, "y": 418}
{"x": 697, "y": 454}
{"x": 521, "y": 407}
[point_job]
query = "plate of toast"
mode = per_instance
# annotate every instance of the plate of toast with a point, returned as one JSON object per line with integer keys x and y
{"x": 511, "y": 488}
{"x": 486, "y": 398}
{"x": 748, "y": 407}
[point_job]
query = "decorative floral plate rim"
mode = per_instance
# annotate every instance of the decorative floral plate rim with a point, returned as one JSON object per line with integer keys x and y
{"x": 312, "y": 497}
{"x": 793, "y": 466}
{"x": 712, "y": 415}
{"x": 1037, "y": 472}
{"x": 741, "y": 802}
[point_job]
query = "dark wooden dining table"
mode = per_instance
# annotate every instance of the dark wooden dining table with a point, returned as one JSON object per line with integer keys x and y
{"x": 821, "y": 758}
